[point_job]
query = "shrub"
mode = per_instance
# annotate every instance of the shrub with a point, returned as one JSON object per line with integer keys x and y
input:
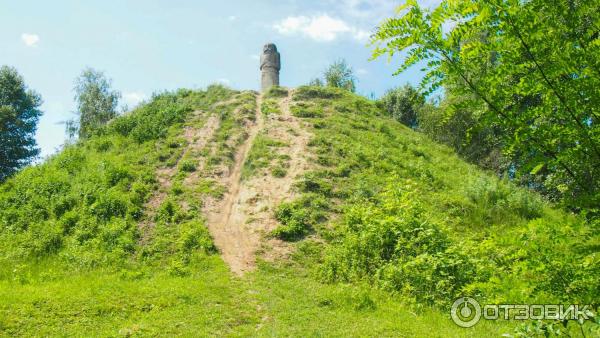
{"x": 109, "y": 205}
{"x": 279, "y": 171}
{"x": 403, "y": 104}
{"x": 496, "y": 198}
{"x": 340, "y": 75}
{"x": 149, "y": 121}
{"x": 187, "y": 166}
{"x": 269, "y": 107}
{"x": 390, "y": 242}
{"x": 300, "y": 217}
{"x": 194, "y": 236}
{"x": 294, "y": 220}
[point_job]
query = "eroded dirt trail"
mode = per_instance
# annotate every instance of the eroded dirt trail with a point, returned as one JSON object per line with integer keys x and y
{"x": 241, "y": 220}
{"x": 225, "y": 222}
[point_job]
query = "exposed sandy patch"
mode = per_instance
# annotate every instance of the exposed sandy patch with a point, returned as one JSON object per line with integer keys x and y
{"x": 240, "y": 221}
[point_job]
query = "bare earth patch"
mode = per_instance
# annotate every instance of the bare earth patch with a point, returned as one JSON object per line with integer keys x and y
{"x": 240, "y": 221}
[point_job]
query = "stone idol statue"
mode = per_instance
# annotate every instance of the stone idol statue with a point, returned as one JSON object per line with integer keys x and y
{"x": 269, "y": 67}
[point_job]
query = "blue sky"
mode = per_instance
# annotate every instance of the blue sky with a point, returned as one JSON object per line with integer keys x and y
{"x": 148, "y": 46}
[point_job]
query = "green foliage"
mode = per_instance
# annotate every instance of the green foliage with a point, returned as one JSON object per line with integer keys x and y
{"x": 279, "y": 171}
{"x": 416, "y": 220}
{"x": 96, "y": 103}
{"x": 390, "y": 241}
{"x": 310, "y": 92}
{"x": 148, "y": 121}
{"x": 187, "y": 166}
{"x": 337, "y": 75}
{"x": 300, "y": 217}
{"x": 83, "y": 206}
{"x": 403, "y": 104}
{"x": 495, "y": 197}
{"x": 19, "y": 115}
{"x": 262, "y": 153}
{"x": 459, "y": 123}
{"x": 534, "y": 67}
{"x": 307, "y": 110}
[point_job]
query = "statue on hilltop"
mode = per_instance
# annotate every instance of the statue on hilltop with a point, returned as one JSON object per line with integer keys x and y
{"x": 270, "y": 65}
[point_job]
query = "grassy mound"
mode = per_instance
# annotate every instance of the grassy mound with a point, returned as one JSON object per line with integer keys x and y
{"x": 388, "y": 230}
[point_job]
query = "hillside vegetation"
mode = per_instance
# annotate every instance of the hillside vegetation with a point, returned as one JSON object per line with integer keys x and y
{"x": 386, "y": 229}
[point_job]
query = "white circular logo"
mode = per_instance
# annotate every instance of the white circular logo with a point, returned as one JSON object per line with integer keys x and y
{"x": 465, "y": 311}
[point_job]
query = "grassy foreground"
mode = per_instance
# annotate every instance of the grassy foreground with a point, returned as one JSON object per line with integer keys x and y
{"x": 210, "y": 302}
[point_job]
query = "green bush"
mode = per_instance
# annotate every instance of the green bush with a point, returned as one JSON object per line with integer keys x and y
{"x": 194, "y": 236}
{"x": 187, "y": 166}
{"x": 300, "y": 217}
{"x": 109, "y": 205}
{"x": 498, "y": 198}
{"x": 279, "y": 172}
{"x": 391, "y": 243}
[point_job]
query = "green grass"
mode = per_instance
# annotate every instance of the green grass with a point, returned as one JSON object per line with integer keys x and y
{"x": 231, "y": 132}
{"x": 387, "y": 231}
{"x": 276, "y": 92}
{"x": 269, "y": 302}
{"x": 270, "y": 107}
{"x": 262, "y": 153}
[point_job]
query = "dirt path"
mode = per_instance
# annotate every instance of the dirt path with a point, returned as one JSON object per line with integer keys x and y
{"x": 241, "y": 220}
{"x": 224, "y": 220}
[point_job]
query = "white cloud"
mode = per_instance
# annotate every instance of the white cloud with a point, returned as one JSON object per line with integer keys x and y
{"x": 361, "y": 35}
{"x": 30, "y": 40}
{"x": 322, "y": 28}
{"x": 362, "y": 71}
{"x": 132, "y": 99}
{"x": 232, "y": 18}
{"x": 255, "y": 57}
{"x": 224, "y": 81}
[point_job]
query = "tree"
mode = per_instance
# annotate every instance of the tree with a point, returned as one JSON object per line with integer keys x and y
{"x": 403, "y": 104}
{"x": 457, "y": 123}
{"x": 96, "y": 103}
{"x": 19, "y": 116}
{"x": 340, "y": 75}
{"x": 534, "y": 65}
{"x": 317, "y": 82}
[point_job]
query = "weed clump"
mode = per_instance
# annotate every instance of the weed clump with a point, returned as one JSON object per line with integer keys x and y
{"x": 276, "y": 92}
